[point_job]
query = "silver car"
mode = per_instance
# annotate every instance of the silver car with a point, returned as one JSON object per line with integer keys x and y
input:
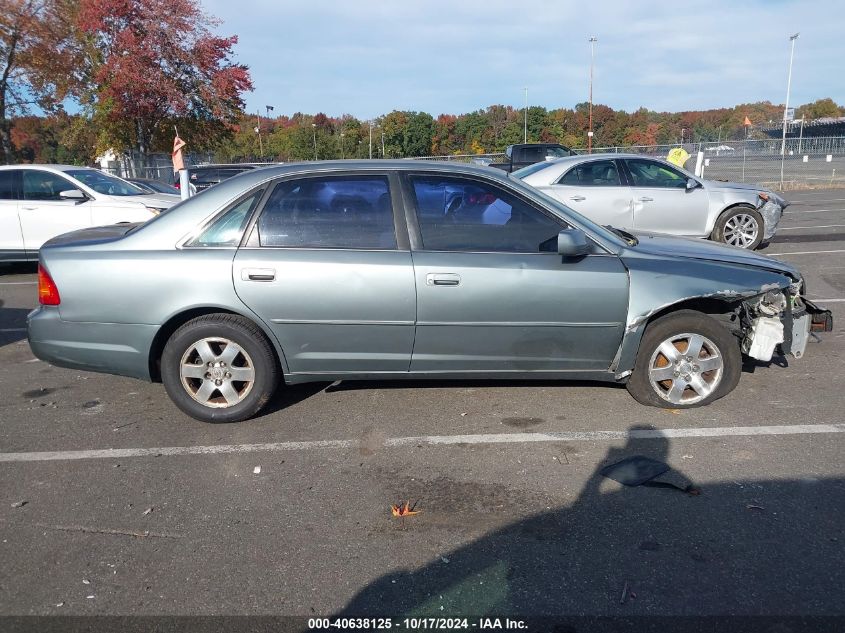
{"x": 631, "y": 191}
{"x": 399, "y": 269}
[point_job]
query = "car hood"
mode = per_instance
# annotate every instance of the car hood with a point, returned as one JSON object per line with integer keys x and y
{"x": 689, "y": 248}
{"x": 92, "y": 234}
{"x": 155, "y": 200}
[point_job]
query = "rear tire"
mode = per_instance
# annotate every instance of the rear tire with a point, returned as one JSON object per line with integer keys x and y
{"x": 670, "y": 375}
{"x": 742, "y": 227}
{"x": 219, "y": 368}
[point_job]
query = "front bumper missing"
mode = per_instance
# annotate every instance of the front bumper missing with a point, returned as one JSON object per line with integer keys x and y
{"x": 798, "y": 327}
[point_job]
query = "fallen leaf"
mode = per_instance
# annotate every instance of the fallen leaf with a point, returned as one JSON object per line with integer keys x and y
{"x": 147, "y": 511}
{"x": 19, "y": 504}
{"x": 406, "y": 510}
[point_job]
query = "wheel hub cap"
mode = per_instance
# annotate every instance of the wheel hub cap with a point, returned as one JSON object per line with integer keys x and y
{"x": 686, "y": 368}
{"x": 217, "y": 372}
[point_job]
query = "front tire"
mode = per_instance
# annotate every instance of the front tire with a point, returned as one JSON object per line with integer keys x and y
{"x": 219, "y": 368}
{"x": 742, "y": 227}
{"x": 686, "y": 359}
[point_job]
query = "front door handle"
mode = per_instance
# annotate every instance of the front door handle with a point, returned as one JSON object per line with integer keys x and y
{"x": 442, "y": 279}
{"x": 258, "y": 274}
{"x": 646, "y": 199}
{"x": 577, "y": 198}
{"x": 29, "y": 208}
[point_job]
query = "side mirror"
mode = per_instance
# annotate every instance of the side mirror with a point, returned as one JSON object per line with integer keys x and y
{"x": 72, "y": 194}
{"x": 692, "y": 183}
{"x": 572, "y": 243}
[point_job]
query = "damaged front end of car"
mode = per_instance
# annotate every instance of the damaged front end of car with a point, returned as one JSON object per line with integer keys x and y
{"x": 780, "y": 318}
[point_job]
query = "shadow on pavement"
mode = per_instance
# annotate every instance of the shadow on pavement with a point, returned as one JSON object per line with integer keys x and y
{"x": 639, "y": 554}
{"x": 12, "y": 324}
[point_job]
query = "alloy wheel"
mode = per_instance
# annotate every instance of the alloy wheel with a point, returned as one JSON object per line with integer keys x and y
{"x": 741, "y": 230}
{"x": 685, "y": 368}
{"x": 217, "y": 372}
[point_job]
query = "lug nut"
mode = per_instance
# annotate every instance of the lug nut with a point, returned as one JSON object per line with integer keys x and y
{"x": 210, "y": 364}
{"x": 676, "y": 374}
{"x": 689, "y": 359}
{"x": 687, "y": 377}
{"x": 695, "y": 368}
{"x": 218, "y": 382}
{"x": 228, "y": 375}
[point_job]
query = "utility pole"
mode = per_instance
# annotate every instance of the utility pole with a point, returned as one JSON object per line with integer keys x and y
{"x": 371, "y": 139}
{"x": 525, "y": 125}
{"x": 593, "y": 40}
{"x": 314, "y": 132}
{"x": 341, "y": 145}
{"x": 258, "y": 131}
{"x": 792, "y": 39}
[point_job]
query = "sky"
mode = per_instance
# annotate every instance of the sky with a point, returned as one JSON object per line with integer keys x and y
{"x": 368, "y": 57}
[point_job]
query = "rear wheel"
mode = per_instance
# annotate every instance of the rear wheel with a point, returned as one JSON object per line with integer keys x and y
{"x": 741, "y": 227}
{"x": 686, "y": 359}
{"x": 219, "y": 368}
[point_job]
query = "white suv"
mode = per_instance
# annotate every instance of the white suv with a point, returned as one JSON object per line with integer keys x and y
{"x": 38, "y": 202}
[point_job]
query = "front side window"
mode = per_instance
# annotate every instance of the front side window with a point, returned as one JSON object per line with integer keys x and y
{"x": 229, "y": 227}
{"x": 457, "y": 214}
{"x": 9, "y": 184}
{"x": 598, "y": 173}
{"x": 105, "y": 184}
{"x": 329, "y": 212}
{"x": 649, "y": 173}
{"x": 44, "y": 185}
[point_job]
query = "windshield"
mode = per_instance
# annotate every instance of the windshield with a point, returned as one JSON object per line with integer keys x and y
{"x": 579, "y": 219}
{"x": 105, "y": 184}
{"x": 531, "y": 169}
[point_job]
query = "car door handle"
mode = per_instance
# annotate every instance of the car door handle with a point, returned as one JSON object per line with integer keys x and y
{"x": 29, "y": 208}
{"x": 442, "y": 279}
{"x": 646, "y": 199}
{"x": 258, "y": 274}
{"x": 577, "y": 198}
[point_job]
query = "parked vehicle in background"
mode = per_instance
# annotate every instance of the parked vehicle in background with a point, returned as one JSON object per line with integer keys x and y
{"x": 634, "y": 192}
{"x": 38, "y": 202}
{"x": 525, "y": 154}
{"x": 355, "y": 270}
{"x": 204, "y": 176}
{"x": 153, "y": 186}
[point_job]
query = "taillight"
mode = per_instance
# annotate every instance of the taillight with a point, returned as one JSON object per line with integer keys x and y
{"x": 48, "y": 293}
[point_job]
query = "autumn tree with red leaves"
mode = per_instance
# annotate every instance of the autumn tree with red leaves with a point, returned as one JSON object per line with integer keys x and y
{"x": 37, "y": 57}
{"x": 151, "y": 62}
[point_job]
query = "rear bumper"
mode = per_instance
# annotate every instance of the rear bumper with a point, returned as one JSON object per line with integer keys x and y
{"x": 112, "y": 348}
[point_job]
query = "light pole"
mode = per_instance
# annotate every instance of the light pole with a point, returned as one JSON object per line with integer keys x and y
{"x": 382, "y": 145}
{"x": 371, "y": 139}
{"x": 342, "y": 134}
{"x": 258, "y": 131}
{"x": 792, "y": 39}
{"x": 525, "y": 126}
{"x": 314, "y": 132}
{"x": 593, "y": 40}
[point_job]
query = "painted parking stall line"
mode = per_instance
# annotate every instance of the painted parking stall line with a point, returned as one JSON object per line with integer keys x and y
{"x": 803, "y": 253}
{"x": 428, "y": 440}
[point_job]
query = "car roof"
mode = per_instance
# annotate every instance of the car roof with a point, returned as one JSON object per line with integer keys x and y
{"x": 48, "y": 167}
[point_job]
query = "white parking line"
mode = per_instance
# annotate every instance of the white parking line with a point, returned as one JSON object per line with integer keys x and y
{"x": 18, "y": 283}
{"x": 802, "y": 253}
{"x": 811, "y": 211}
{"x": 822, "y": 226}
{"x": 428, "y": 440}
{"x": 828, "y": 300}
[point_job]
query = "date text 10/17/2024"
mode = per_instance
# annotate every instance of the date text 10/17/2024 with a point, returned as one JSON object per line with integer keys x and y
{"x": 417, "y": 624}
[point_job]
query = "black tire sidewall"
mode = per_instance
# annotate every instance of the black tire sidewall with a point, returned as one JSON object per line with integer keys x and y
{"x": 258, "y": 348}
{"x": 694, "y": 322}
{"x": 719, "y": 231}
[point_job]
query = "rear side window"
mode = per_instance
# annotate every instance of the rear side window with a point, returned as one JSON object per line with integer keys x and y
{"x": 43, "y": 185}
{"x": 9, "y": 185}
{"x": 599, "y": 173}
{"x": 228, "y": 228}
{"x": 329, "y": 212}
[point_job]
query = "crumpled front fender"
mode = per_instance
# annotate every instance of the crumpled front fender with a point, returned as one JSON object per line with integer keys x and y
{"x": 657, "y": 284}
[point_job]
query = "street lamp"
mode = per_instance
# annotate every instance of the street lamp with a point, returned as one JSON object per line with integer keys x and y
{"x": 525, "y": 127}
{"x": 371, "y": 139}
{"x": 314, "y": 132}
{"x": 792, "y": 39}
{"x": 593, "y": 40}
{"x": 342, "y": 134}
{"x": 382, "y": 145}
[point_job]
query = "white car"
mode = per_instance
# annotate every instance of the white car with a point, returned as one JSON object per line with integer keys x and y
{"x": 647, "y": 194}
{"x": 38, "y": 202}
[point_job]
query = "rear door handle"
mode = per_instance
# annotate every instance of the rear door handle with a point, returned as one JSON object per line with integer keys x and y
{"x": 258, "y": 274}
{"x": 442, "y": 279}
{"x": 646, "y": 199}
{"x": 578, "y": 198}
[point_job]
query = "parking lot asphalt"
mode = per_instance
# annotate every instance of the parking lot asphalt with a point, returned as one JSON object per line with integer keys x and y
{"x": 113, "y": 502}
